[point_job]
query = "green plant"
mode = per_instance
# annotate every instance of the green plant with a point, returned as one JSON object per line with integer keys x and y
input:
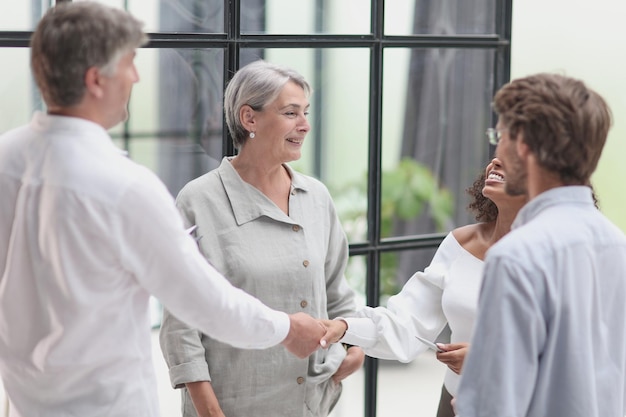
{"x": 407, "y": 190}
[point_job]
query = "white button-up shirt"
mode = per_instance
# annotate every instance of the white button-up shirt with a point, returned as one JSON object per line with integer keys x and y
{"x": 550, "y": 336}
{"x": 85, "y": 236}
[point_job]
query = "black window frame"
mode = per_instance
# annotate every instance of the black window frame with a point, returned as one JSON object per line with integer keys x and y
{"x": 232, "y": 41}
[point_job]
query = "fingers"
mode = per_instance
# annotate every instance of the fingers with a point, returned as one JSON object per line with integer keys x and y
{"x": 351, "y": 363}
{"x": 305, "y": 335}
{"x": 335, "y": 330}
{"x": 323, "y": 340}
{"x": 448, "y": 347}
{"x": 454, "y": 358}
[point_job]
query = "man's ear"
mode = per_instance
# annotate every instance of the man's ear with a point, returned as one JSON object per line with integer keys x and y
{"x": 247, "y": 115}
{"x": 94, "y": 82}
{"x": 522, "y": 147}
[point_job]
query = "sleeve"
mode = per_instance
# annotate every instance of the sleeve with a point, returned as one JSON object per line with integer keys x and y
{"x": 164, "y": 259}
{"x": 181, "y": 344}
{"x": 389, "y": 332}
{"x": 340, "y": 297}
{"x": 183, "y": 352}
{"x": 500, "y": 370}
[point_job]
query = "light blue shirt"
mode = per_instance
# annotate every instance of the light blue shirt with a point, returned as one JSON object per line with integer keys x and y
{"x": 550, "y": 337}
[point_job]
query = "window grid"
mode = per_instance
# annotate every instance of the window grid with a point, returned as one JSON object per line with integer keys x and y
{"x": 232, "y": 41}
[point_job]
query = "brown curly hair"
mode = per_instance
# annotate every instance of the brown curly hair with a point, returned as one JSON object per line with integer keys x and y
{"x": 483, "y": 209}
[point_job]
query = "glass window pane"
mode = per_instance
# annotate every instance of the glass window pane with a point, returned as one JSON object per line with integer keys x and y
{"x": 113, "y": 3}
{"x": 305, "y": 17}
{"x": 436, "y": 108}
{"x": 180, "y": 16}
{"x": 175, "y": 123}
{"x": 157, "y": 15}
{"x": 356, "y": 272}
{"x": 336, "y": 148}
{"x": 175, "y": 16}
{"x": 352, "y": 398}
{"x": 17, "y": 87}
{"x": 440, "y": 17}
{"x": 416, "y": 385}
{"x": 396, "y": 268}
{"x": 23, "y": 14}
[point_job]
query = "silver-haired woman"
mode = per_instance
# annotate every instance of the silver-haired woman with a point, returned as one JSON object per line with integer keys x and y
{"x": 275, "y": 233}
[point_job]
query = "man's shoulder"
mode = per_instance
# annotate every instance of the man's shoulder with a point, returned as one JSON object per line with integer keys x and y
{"x": 554, "y": 231}
{"x": 14, "y": 139}
{"x": 110, "y": 178}
{"x": 14, "y": 131}
{"x": 523, "y": 244}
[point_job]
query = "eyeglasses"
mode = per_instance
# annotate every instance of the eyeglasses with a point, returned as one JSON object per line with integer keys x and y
{"x": 494, "y": 135}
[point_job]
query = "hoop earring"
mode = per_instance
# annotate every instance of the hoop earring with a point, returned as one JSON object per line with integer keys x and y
{"x": 252, "y": 135}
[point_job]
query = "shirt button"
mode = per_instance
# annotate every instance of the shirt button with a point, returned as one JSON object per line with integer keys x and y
{"x": 303, "y": 303}
{"x": 293, "y": 192}
{"x": 295, "y": 227}
{"x": 300, "y": 380}
{"x": 305, "y": 263}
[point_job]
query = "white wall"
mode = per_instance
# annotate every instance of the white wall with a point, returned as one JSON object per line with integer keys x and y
{"x": 586, "y": 40}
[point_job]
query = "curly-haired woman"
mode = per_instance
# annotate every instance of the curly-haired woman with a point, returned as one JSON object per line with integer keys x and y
{"x": 445, "y": 293}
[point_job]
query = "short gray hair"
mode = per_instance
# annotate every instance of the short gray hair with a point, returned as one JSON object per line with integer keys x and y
{"x": 256, "y": 85}
{"x": 73, "y": 37}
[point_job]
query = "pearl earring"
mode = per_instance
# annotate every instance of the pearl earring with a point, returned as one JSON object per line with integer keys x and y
{"x": 252, "y": 135}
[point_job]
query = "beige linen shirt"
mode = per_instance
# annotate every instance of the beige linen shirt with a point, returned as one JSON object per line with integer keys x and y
{"x": 292, "y": 263}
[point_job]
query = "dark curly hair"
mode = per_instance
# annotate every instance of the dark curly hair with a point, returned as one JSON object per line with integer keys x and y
{"x": 484, "y": 209}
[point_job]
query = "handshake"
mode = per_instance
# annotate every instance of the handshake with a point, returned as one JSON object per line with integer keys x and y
{"x": 307, "y": 334}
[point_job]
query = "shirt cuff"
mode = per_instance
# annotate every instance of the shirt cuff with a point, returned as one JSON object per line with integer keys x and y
{"x": 282, "y": 326}
{"x": 189, "y": 372}
{"x": 361, "y": 332}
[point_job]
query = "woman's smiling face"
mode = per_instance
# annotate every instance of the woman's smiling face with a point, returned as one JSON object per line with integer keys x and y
{"x": 282, "y": 124}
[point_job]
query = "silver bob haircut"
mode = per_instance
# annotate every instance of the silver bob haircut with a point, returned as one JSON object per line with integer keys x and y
{"x": 256, "y": 85}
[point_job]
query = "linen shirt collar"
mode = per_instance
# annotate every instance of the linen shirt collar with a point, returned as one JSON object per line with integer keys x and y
{"x": 91, "y": 134}
{"x": 567, "y": 195}
{"x": 247, "y": 202}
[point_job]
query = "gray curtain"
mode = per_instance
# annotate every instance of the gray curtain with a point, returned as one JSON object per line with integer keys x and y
{"x": 447, "y": 110}
{"x": 191, "y": 83}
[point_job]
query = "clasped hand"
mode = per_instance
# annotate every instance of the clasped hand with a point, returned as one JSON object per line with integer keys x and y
{"x": 307, "y": 334}
{"x": 335, "y": 330}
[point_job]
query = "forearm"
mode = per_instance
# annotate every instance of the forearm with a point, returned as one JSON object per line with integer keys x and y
{"x": 205, "y": 300}
{"x": 379, "y": 337}
{"x": 352, "y": 363}
{"x": 204, "y": 399}
{"x": 183, "y": 351}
